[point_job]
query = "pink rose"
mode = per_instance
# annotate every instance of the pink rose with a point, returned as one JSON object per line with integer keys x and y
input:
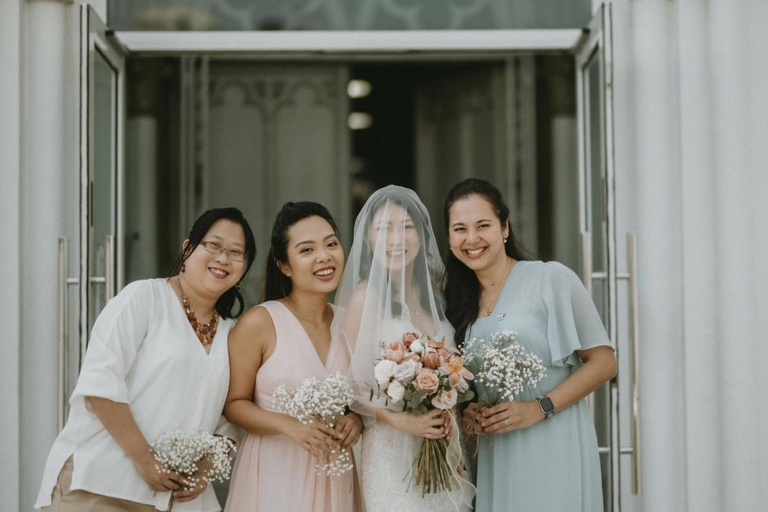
{"x": 427, "y": 380}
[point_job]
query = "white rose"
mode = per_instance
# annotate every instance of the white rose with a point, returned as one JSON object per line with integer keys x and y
{"x": 406, "y": 370}
{"x": 395, "y": 391}
{"x": 417, "y": 347}
{"x": 446, "y": 399}
{"x": 383, "y": 371}
{"x": 462, "y": 385}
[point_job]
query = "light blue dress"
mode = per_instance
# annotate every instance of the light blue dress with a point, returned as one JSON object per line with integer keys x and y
{"x": 553, "y": 465}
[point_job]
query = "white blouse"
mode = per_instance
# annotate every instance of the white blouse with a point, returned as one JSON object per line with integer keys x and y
{"x": 142, "y": 352}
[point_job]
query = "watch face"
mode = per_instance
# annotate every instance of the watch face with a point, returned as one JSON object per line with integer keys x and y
{"x": 546, "y": 405}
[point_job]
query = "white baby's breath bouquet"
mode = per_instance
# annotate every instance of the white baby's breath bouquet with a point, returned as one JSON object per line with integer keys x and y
{"x": 182, "y": 452}
{"x": 502, "y": 367}
{"x": 324, "y": 401}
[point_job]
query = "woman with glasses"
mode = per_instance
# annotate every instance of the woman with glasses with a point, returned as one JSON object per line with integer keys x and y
{"x": 294, "y": 335}
{"x": 157, "y": 360}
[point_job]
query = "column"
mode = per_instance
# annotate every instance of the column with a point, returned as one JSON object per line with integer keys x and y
{"x": 757, "y": 162}
{"x": 42, "y": 208}
{"x": 738, "y": 327}
{"x": 658, "y": 190}
{"x": 700, "y": 304}
{"x": 10, "y": 167}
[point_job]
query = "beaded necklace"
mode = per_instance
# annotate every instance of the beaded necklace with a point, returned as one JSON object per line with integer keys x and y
{"x": 205, "y": 332}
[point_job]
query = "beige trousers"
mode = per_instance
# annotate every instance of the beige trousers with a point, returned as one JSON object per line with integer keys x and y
{"x": 65, "y": 500}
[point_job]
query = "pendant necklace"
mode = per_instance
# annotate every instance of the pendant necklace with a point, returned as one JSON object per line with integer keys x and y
{"x": 489, "y": 309}
{"x": 204, "y": 332}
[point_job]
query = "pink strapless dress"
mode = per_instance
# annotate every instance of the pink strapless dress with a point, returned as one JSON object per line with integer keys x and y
{"x": 272, "y": 473}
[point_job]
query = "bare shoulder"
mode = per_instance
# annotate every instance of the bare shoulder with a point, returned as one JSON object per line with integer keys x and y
{"x": 254, "y": 328}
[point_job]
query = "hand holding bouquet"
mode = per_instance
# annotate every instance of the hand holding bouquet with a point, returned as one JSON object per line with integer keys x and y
{"x": 323, "y": 401}
{"x": 502, "y": 367}
{"x": 198, "y": 456}
{"x": 424, "y": 374}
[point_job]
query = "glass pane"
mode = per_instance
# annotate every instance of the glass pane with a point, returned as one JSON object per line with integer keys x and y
{"x": 595, "y": 168}
{"x": 173, "y": 15}
{"x": 595, "y": 182}
{"x": 103, "y": 179}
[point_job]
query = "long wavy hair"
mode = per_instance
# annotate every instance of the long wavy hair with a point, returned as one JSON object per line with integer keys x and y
{"x": 276, "y": 284}
{"x": 225, "y": 306}
{"x": 461, "y": 286}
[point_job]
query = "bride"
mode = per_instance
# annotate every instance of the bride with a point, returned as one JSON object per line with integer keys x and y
{"x": 390, "y": 287}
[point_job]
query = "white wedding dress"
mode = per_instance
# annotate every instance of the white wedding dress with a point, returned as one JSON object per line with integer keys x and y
{"x": 388, "y": 455}
{"x": 391, "y": 286}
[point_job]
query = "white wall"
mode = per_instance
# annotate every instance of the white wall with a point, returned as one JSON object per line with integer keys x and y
{"x": 42, "y": 222}
{"x": 692, "y": 164}
{"x": 10, "y": 167}
{"x": 39, "y": 165}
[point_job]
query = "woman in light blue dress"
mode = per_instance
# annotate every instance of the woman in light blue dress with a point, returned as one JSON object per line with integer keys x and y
{"x": 541, "y": 452}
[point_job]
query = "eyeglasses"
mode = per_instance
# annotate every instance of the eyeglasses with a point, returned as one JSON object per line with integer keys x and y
{"x": 217, "y": 248}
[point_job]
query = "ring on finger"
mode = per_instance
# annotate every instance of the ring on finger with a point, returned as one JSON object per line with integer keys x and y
{"x": 506, "y": 422}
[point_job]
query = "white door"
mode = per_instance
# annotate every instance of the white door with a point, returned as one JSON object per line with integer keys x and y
{"x": 615, "y": 406}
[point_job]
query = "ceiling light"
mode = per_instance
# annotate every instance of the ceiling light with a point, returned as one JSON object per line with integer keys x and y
{"x": 359, "y": 120}
{"x": 358, "y": 88}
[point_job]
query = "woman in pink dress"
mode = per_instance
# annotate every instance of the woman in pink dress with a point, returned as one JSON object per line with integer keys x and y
{"x": 294, "y": 335}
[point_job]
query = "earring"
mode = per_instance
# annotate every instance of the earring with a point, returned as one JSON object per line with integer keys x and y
{"x": 505, "y": 241}
{"x": 183, "y": 268}
{"x": 237, "y": 287}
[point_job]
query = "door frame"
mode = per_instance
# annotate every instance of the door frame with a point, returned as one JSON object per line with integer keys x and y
{"x": 444, "y": 45}
{"x": 597, "y": 45}
{"x": 97, "y": 39}
{"x": 385, "y": 43}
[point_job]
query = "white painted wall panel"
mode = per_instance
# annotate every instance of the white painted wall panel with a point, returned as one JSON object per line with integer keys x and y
{"x": 42, "y": 221}
{"x": 10, "y": 174}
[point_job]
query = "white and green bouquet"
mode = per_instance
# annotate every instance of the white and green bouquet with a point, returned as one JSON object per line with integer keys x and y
{"x": 324, "y": 401}
{"x": 502, "y": 367}
{"x": 197, "y": 455}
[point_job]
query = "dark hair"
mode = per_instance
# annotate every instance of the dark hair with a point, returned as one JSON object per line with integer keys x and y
{"x": 226, "y": 303}
{"x": 409, "y": 204}
{"x": 276, "y": 284}
{"x": 462, "y": 288}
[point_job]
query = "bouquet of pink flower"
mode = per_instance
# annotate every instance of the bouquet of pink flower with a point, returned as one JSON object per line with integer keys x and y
{"x": 424, "y": 374}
